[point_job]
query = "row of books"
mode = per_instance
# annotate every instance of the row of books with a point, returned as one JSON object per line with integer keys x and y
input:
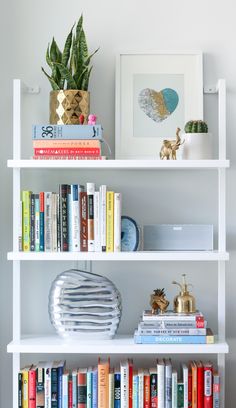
{"x": 75, "y": 219}
{"x": 173, "y": 328}
{"x": 51, "y": 385}
{"x": 76, "y": 142}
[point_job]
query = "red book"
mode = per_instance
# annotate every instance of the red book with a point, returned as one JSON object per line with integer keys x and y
{"x": 190, "y": 387}
{"x": 84, "y": 222}
{"x": 200, "y": 384}
{"x": 61, "y": 151}
{"x": 70, "y": 157}
{"x": 82, "y": 388}
{"x": 130, "y": 383}
{"x": 208, "y": 394}
{"x": 32, "y": 387}
{"x": 70, "y": 401}
{"x": 146, "y": 385}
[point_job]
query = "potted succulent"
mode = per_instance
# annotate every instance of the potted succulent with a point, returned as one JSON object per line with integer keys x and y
{"x": 70, "y": 73}
{"x": 198, "y": 142}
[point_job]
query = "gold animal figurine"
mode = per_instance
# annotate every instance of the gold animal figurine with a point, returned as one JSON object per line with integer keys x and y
{"x": 158, "y": 301}
{"x": 169, "y": 147}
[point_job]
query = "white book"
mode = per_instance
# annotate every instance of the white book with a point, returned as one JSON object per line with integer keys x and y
{"x": 54, "y": 222}
{"x": 124, "y": 384}
{"x": 140, "y": 388}
{"x": 74, "y": 242}
{"x": 185, "y": 382}
{"x": 103, "y": 214}
{"x": 174, "y": 388}
{"x": 111, "y": 390}
{"x": 48, "y": 221}
{"x": 117, "y": 222}
{"x": 161, "y": 383}
{"x": 37, "y": 223}
{"x": 90, "y": 204}
{"x": 19, "y": 217}
{"x": 97, "y": 234}
{"x": 47, "y": 384}
{"x": 168, "y": 383}
{"x": 65, "y": 396}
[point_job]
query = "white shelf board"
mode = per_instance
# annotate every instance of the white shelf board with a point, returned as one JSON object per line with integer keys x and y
{"x": 119, "y": 164}
{"x": 120, "y": 256}
{"x": 122, "y": 344}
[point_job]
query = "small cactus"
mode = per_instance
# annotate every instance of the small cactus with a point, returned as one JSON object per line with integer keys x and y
{"x": 196, "y": 126}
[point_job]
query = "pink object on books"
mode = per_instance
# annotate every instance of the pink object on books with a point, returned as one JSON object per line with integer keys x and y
{"x": 92, "y": 119}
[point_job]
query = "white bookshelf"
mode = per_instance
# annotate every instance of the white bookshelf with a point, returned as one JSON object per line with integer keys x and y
{"x": 121, "y": 345}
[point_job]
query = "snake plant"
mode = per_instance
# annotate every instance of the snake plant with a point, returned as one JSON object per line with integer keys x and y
{"x": 196, "y": 126}
{"x": 70, "y": 69}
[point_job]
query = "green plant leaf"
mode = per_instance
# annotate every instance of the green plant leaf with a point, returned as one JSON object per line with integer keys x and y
{"x": 79, "y": 28}
{"x": 67, "y": 48}
{"x": 83, "y": 49}
{"x": 87, "y": 61}
{"x": 73, "y": 56}
{"x": 54, "y": 85}
{"x": 78, "y": 77}
{"x": 55, "y": 53}
{"x": 85, "y": 81}
{"x": 66, "y": 75}
{"x": 48, "y": 59}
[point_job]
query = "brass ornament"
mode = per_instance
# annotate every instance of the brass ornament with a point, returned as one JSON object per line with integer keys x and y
{"x": 169, "y": 147}
{"x": 66, "y": 107}
{"x": 158, "y": 301}
{"x": 184, "y": 302}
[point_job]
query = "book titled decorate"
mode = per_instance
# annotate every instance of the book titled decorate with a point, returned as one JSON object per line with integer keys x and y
{"x": 148, "y": 339}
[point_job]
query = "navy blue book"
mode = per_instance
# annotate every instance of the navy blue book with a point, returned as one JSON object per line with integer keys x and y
{"x": 117, "y": 390}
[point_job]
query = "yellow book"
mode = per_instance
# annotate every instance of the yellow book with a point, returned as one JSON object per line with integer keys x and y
{"x": 110, "y": 222}
{"x": 25, "y": 386}
{"x": 26, "y": 220}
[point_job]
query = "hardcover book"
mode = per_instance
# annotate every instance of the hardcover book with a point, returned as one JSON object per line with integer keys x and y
{"x": 58, "y": 132}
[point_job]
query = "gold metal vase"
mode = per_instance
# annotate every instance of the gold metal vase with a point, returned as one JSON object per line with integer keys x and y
{"x": 66, "y": 106}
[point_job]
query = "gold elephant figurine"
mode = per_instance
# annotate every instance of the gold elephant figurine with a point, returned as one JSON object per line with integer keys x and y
{"x": 169, "y": 147}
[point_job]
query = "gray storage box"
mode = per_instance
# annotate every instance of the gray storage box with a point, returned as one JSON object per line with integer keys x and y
{"x": 178, "y": 237}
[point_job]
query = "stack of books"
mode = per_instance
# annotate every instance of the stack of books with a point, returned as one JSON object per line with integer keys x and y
{"x": 173, "y": 328}
{"x": 67, "y": 142}
{"x": 49, "y": 384}
{"x": 76, "y": 219}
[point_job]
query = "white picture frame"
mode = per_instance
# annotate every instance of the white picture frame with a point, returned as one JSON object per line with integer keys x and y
{"x": 173, "y": 77}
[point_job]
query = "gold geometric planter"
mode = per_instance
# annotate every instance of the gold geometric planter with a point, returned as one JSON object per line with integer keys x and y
{"x": 66, "y": 106}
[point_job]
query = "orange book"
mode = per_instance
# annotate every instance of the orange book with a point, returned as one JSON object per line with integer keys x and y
{"x": 103, "y": 383}
{"x": 194, "y": 384}
{"x": 146, "y": 385}
{"x": 65, "y": 143}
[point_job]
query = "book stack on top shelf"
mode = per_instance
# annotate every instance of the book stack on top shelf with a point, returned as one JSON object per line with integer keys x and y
{"x": 67, "y": 142}
{"x": 75, "y": 219}
{"x": 173, "y": 328}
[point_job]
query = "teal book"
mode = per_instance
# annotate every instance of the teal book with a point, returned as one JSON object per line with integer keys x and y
{"x": 148, "y": 339}
{"x": 64, "y": 132}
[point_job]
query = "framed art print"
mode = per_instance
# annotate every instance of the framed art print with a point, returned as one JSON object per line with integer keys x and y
{"x": 155, "y": 94}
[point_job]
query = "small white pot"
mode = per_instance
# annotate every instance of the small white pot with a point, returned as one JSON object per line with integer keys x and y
{"x": 197, "y": 146}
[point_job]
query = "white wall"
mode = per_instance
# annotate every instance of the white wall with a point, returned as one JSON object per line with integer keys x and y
{"x": 26, "y": 28}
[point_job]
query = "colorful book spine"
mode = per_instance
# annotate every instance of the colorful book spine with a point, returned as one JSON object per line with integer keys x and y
{"x": 200, "y": 385}
{"x": 103, "y": 383}
{"x": 168, "y": 383}
{"x": 20, "y": 390}
{"x": 117, "y": 222}
{"x": 48, "y": 221}
{"x": 40, "y": 391}
{"x": 70, "y": 403}
{"x": 185, "y": 382}
{"x": 60, "y": 371}
{"x": 58, "y": 132}
{"x": 54, "y": 386}
{"x": 194, "y": 384}
{"x": 140, "y": 388}
{"x": 89, "y": 388}
{"x": 37, "y": 223}
{"x": 103, "y": 219}
{"x": 174, "y": 388}
{"x": 190, "y": 386}
{"x": 32, "y": 388}
{"x": 111, "y": 389}
{"x": 83, "y": 222}
{"x": 167, "y": 316}
{"x": 65, "y": 390}
{"x": 54, "y": 222}
{"x": 63, "y": 217}
{"x": 48, "y": 395}
{"x": 74, "y": 242}
{"x": 97, "y": 234}
{"x": 172, "y": 332}
{"x": 20, "y": 226}
{"x": 135, "y": 390}
{"x": 208, "y": 385}
{"x": 69, "y": 157}
{"x": 110, "y": 222}
{"x": 142, "y": 339}
{"x": 32, "y": 222}
{"x": 146, "y": 383}
{"x": 95, "y": 389}
{"x": 171, "y": 325}
{"x": 130, "y": 362}
{"x": 124, "y": 384}
{"x": 74, "y": 389}
{"x": 66, "y": 144}
{"x": 117, "y": 390}
{"x": 180, "y": 395}
{"x": 25, "y": 389}
{"x": 153, "y": 388}
{"x": 82, "y": 388}
{"x": 161, "y": 383}
{"x": 216, "y": 389}
{"x": 26, "y": 220}
{"x": 41, "y": 221}
{"x": 90, "y": 212}
{"x": 73, "y": 151}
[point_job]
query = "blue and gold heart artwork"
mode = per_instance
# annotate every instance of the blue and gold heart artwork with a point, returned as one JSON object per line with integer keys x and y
{"x": 158, "y": 105}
